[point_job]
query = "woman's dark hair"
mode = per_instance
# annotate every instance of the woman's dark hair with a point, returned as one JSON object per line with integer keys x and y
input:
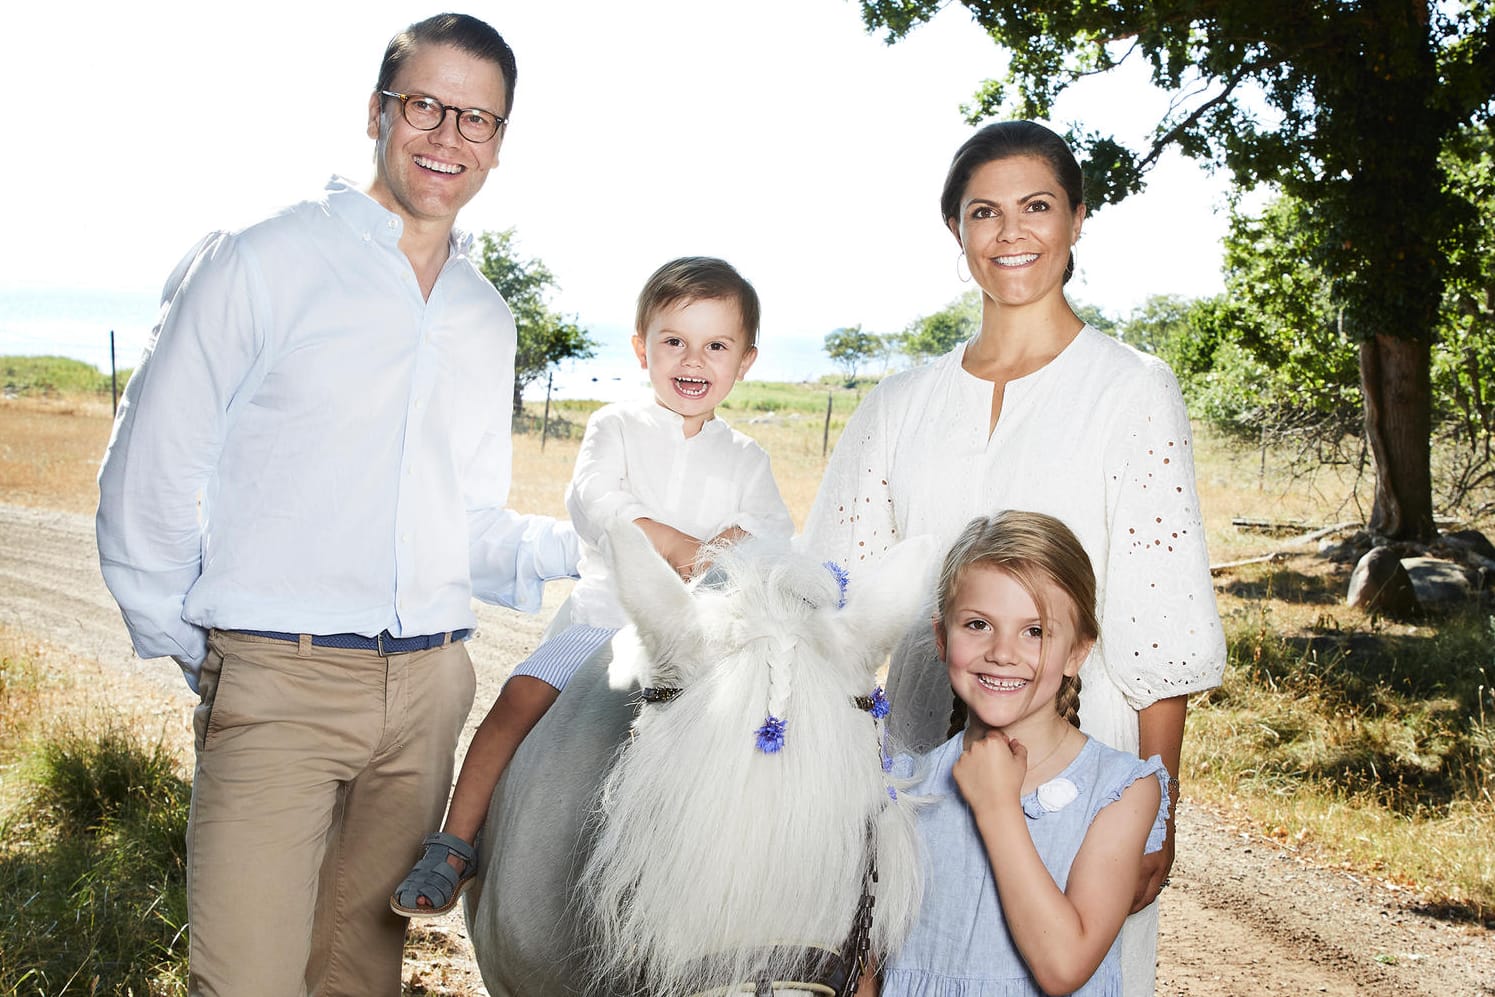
{"x": 461, "y": 31}
{"x": 1001, "y": 140}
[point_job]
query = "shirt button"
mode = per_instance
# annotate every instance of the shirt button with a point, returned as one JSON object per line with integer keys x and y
{"x": 404, "y": 538}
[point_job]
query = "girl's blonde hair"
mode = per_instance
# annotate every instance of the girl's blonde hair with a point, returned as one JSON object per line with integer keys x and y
{"x": 1031, "y": 547}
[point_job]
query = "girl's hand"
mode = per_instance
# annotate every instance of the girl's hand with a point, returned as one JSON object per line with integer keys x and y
{"x": 990, "y": 772}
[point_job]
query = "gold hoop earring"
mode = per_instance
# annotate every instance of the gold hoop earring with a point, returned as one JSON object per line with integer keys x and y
{"x": 965, "y": 278}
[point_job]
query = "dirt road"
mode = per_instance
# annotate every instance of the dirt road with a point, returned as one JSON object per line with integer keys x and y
{"x": 1243, "y": 915}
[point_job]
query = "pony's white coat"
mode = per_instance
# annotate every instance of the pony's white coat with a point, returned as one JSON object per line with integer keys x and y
{"x": 714, "y": 860}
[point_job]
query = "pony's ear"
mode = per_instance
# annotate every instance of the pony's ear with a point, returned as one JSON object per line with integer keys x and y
{"x": 884, "y": 602}
{"x": 655, "y": 599}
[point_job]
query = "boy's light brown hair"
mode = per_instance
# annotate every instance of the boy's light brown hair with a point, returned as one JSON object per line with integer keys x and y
{"x": 698, "y": 278}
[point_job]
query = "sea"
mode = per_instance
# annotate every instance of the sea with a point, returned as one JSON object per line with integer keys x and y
{"x": 110, "y": 328}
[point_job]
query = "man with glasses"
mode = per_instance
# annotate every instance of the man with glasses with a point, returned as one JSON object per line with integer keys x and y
{"x": 305, "y": 488}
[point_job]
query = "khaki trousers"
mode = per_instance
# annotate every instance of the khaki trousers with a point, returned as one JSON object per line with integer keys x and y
{"x": 319, "y": 770}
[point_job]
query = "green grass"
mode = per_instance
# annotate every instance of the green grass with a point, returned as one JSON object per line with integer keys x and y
{"x": 92, "y": 860}
{"x": 803, "y": 398}
{"x": 55, "y": 376}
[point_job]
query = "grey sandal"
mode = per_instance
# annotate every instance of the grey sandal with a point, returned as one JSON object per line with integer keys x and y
{"x": 434, "y": 878}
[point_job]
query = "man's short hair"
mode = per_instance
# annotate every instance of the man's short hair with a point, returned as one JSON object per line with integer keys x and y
{"x": 462, "y": 32}
{"x": 698, "y": 278}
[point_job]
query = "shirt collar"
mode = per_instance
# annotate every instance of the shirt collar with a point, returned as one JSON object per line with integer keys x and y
{"x": 366, "y": 216}
{"x": 662, "y": 417}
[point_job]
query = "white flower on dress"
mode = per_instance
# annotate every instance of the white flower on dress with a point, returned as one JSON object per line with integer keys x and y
{"x": 1056, "y": 794}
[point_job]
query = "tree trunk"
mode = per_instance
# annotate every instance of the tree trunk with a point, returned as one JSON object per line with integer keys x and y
{"x": 1395, "y": 382}
{"x": 518, "y": 398}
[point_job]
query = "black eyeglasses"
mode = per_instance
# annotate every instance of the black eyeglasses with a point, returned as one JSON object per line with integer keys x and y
{"x": 427, "y": 114}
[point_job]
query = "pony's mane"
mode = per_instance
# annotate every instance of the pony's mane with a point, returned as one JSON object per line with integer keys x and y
{"x": 718, "y": 858}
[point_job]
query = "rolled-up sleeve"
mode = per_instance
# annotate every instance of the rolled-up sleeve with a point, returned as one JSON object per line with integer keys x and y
{"x": 514, "y": 555}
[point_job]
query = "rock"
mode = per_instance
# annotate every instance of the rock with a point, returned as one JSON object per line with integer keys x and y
{"x": 1379, "y": 584}
{"x": 1469, "y": 542}
{"x": 1440, "y": 583}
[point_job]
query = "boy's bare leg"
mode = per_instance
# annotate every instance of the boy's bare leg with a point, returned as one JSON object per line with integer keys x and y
{"x": 521, "y": 703}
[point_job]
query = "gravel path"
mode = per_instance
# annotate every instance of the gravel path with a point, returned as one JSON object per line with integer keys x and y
{"x": 1244, "y": 915}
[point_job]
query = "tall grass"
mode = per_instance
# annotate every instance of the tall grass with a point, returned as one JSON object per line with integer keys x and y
{"x": 1374, "y": 748}
{"x": 92, "y": 858}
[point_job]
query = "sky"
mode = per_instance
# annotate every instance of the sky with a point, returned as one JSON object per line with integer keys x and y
{"x": 776, "y": 134}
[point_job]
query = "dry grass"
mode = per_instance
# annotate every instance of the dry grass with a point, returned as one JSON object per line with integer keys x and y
{"x": 50, "y": 451}
{"x": 792, "y": 440}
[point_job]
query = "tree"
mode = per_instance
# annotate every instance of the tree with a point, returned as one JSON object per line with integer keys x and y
{"x": 1343, "y": 106}
{"x": 1160, "y": 325}
{"x": 1278, "y": 308}
{"x": 850, "y": 347}
{"x": 1464, "y": 367}
{"x": 1093, "y": 316}
{"x": 937, "y": 334}
{"x": 1268, "y": 358}
{"x": 545, "y": 338}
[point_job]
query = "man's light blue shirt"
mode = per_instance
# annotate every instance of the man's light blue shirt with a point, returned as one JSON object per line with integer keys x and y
{"x": 311, "y": 446}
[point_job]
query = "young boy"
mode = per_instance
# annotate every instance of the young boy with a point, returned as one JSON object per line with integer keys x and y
{"x": 667, "y": 464}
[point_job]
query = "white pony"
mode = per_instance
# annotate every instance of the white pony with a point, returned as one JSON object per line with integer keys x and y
{"x": 734, "y": 837}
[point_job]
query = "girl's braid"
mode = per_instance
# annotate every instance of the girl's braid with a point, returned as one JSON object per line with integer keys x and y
{"x": 1067, "y": 699}
{"x": 958, "y": 716}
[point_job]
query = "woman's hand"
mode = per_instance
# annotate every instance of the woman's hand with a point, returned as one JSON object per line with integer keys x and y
{"x": 990, "y": 772}
{"x": 1156, "y": 866}
{"x": 1161, "y": 730}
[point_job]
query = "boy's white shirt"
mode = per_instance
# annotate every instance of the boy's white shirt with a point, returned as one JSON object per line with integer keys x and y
{"x": 635, "y": 462}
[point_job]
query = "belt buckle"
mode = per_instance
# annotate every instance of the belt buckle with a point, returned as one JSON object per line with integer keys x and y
{"x": 379, "y": 644}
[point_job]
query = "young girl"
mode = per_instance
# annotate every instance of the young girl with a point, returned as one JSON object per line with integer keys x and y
{"x": 1035, "y": 832}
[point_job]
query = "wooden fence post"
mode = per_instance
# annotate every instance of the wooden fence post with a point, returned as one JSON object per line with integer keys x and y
{"x": 825, "y": 439}
{"x": 545, "y": 423}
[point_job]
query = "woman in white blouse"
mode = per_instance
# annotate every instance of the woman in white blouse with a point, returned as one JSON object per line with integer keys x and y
{"x": 1039, "y": 411}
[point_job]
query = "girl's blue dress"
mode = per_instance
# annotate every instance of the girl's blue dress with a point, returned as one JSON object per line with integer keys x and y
{"x": 960, "y": 946}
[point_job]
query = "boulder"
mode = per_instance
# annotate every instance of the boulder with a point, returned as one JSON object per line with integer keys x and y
{"x": 1470, "y": 541}
{"x": 1441, "y": 583}
{"x": 1379, "y": 584}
